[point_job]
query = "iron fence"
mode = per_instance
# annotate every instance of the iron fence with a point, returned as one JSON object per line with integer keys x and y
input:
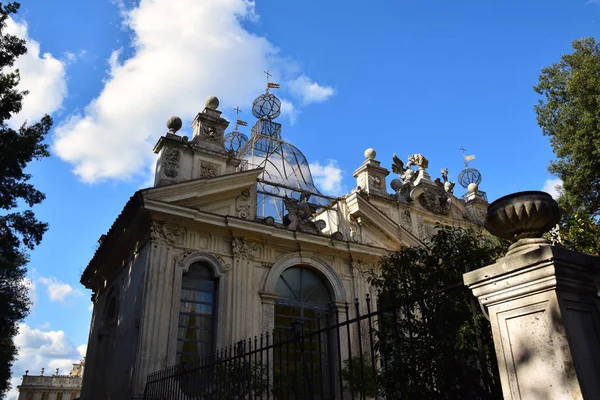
{"x": 341, "y": 354}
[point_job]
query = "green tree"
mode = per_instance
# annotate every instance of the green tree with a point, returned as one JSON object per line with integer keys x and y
{"x": 569, "y": 113}
{"x": 20, "y": 231}
{"x": 434, "y": 342}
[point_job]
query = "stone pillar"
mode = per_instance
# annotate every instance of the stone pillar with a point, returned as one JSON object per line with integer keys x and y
{"x": 153, "y": 344}
{"x": 243, "y": 290}
{"x": 543, "y": 306}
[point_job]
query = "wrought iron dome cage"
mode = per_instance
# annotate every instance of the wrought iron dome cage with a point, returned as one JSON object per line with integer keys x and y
{"x": 286, "y": 170}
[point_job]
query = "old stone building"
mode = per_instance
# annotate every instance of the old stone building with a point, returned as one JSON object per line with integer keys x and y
{"x": 233, "y": 229}
{"x": 52, "y": 387}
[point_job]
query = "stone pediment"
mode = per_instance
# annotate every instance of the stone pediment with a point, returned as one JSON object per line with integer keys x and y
{"x": 377, "y": 227}
{"x": 231, "y": 194}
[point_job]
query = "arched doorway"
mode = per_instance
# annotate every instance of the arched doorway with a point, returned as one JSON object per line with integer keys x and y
{"x": 301, "y": 363}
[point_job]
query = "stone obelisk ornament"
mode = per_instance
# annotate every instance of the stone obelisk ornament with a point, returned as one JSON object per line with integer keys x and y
{"x": 522, "y": 217}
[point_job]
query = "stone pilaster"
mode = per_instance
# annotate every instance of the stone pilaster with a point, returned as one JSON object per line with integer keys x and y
{"x": 543, "y": 307}
{"x": 153, "y": 344}
{"x": 243, "y": 291}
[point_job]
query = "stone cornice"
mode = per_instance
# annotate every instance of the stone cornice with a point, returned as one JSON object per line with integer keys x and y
{"x": 358, "y": 206}
{"x": 539, "y": 269}
{"x": 242, "y": 227}
{"x": 204, "y": 187}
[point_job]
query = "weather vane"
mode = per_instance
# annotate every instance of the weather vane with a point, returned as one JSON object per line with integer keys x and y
{"x": 238, "y": 121}
{"x": 270, "y": 85}
{"x": 466, "y": 158}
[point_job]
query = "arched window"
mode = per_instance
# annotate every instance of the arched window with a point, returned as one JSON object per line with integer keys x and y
{"x": 303, "y": 297}
{"x": 195, "y": 333}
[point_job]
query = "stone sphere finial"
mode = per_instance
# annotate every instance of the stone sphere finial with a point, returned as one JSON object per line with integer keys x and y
{"x": 522, "y": 215}
{"x": 473, "y": 187}
{"x": 370, "y": 154}
{"x": 212, "y": 102}
{"x": 174, "y": 124}
{"x": 396, "y": 184}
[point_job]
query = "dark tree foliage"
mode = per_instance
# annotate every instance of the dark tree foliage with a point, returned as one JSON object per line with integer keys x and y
{"x": 569, "y": 114}
{"x": 577, "y": 229}
{"x": 20, "y": 231}
{"x": 434, "y": 341}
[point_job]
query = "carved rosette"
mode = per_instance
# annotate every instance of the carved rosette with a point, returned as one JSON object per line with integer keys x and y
{"x": 243, "y": 249}
{"x": 242, "y": 204}
{"x": 163, "y": 232}
{"x": 170, "y": 162}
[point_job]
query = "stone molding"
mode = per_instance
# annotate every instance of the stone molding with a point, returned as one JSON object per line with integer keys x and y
{"x": 286, "y": 261}
{"x": 211, "y": 260}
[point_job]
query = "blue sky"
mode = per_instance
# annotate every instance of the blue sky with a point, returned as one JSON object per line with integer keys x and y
{"x": 398, "y": 76}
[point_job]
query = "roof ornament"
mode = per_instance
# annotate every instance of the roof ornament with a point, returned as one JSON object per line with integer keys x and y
{"x": 470, "y": 178}
{"x": 235, "y": 140}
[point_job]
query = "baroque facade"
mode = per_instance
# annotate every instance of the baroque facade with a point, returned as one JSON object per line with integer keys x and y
{"x": 233, "y": 230}
{"x": 52, "y": 387}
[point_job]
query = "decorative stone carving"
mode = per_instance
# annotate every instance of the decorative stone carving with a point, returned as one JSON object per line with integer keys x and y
{"x": 420, "y": 227}
{"x": 404, "y": 185}
{"x": 419, "y": 160}
{"x": 435, "y": 200}
{"x": 406, "y": 219}
{"x": 226, "y": 266}
{"x": 179, "y": 259}
{"x": 210, "y": 134}
{"x": 242, "y": 204}
{"x": 166, "y": 233}
{"x": 243, "y": 249}
{"x": 375, "y": 181}
{"x": 208, "y": 170}
{"x": 170, "y": 162}
{"x": 268, "y": 220}
{"x": 299, "y": 214}
{"x": 337, "y": 235}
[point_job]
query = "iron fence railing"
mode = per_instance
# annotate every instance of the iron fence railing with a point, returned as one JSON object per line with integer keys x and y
{"x": 342, "y": 354}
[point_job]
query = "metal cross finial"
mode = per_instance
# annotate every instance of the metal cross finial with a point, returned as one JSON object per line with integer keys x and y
{"x": 268, "y": 76}
{"x": 237, "y": 120}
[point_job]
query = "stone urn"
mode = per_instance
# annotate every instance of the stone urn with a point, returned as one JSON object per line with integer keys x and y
{"x": 522, "y": 217}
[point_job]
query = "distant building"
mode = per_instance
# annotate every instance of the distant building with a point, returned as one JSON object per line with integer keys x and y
{"x": 52, "y": 387}
{"x": 234, "y": 239}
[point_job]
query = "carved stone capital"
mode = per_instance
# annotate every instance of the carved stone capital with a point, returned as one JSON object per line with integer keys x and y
{"x": 243, "y": 249}
{"x": 163, "y": 232}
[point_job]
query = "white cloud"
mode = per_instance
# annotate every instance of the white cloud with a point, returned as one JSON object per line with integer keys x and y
{"x": 71, "y": 57}
{"x": 41, "y": 74}
{"x": 553, "y": 187}
{"x": 45, "y": 325}
{"x": 289, "y": 111}
{"x": 57, "y": 290}
{"x": 201, "y": 49}
{"x": 328, "y": 178}
{"x": 42, "y": 349}
{"x": 309, "y": 91}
